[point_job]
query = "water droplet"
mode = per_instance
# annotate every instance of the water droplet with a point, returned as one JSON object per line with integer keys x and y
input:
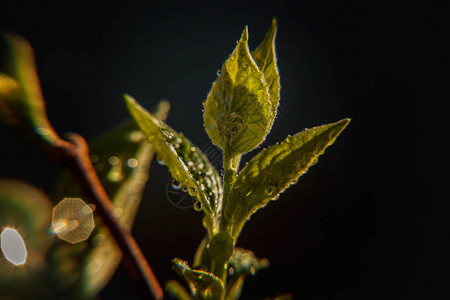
{"x": 132, "y": 162}
{"x": 295, "y": 181}
{"x": 113, "y": 160}
{"x": 167, "y": 134}
{"x": 94, "y": 158}
{"x": 197, "y": 205}
{"x": 175, "y": 184}
{"x": 252, "y": 270}
{"x": 193, "y": 149}
{"x": 192, "y": 192}
{"x": 276, "y": 197}
{"x": 184, "y": 189}
{"x": 160, "y": 162}
{"x": 219, "y": 72}
{"x": 231, "y": 271}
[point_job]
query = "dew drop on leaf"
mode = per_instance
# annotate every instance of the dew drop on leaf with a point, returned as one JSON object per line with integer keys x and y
{"x": 197, "y": 205}
{"x": 192, "y": 192}
{"x": 175, "y": 184}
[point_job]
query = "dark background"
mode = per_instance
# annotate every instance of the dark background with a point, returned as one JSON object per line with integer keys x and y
{"x": 364, "y": 223}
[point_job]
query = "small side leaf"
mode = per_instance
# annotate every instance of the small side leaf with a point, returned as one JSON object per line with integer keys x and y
{"x": 242, "y": 263}
{"x": 203, "y": 285}
{"x": 21, "y": 100}
{"x": 272, "y": 170}
{"x": 187, "y": 164}
{"x": 237, "y": 112}
{"x": 175, "y": 290}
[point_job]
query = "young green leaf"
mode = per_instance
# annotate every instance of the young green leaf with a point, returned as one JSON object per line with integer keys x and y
{"x": 187, "y": 164}
{"x": 272, "y": 170}
{"x": 266, "y": 60}
{"x": 203, "y": 285}
{"x": 237, "y": 112}
{"x": 21, "y": 100}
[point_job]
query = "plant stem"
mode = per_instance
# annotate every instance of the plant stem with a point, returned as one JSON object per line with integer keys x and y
{"x": 231, "y": 165}
{"x": 77, "y": 159}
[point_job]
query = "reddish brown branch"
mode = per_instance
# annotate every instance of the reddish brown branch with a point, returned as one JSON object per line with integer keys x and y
{"x": 76, "y": 156}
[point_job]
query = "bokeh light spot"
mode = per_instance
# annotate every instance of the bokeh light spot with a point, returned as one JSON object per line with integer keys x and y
{"x": 73, "y": 220}
{"x": 13, "y": 246}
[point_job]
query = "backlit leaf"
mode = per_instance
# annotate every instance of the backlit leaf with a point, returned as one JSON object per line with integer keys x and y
{"x": 203, "y": 285}
{"x": 237, "y": 112}
{"x": 187, "y": 164}
{"x": 266, "y": 59}
{"x": 21, "y": 100}
{"x": 272, "y": 170}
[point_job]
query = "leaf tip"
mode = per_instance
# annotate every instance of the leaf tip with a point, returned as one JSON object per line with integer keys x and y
{"x": 128, "y": 98}
{"x": 244, "y": 37}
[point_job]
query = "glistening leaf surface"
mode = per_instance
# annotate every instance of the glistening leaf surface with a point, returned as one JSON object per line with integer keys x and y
{"x": 187, "y": 164}
{"x": 21, "y": 100}
{"x": 272, "y": 170}
{"x": 204, "y": 285}
{"x": 237, "y": 112}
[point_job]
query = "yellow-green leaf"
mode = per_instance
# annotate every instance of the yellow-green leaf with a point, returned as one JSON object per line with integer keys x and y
{"x": 266, "y": 59}
{"x": 187, "y": 164}
{"x": 237, "y": 112}
{"x": 203, "y": 285}
{"x": 21, "y": 100}
{"x": 272, "y": 170}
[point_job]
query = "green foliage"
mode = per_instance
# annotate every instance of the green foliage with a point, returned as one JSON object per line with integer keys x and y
{"x": 239, "y": 112}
